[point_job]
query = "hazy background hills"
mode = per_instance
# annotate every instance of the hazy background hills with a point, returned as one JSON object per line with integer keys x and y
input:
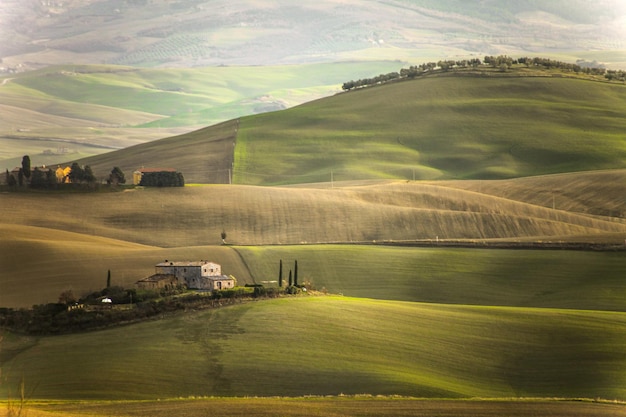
{"x": 202, "y": 33}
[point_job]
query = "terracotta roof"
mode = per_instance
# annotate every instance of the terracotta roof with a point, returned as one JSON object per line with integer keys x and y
{"x": 220, "y": 278}
{"x": 158, "y": 277}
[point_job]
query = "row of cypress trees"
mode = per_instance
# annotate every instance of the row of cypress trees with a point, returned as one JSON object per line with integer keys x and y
{"x": 293, "y": 278}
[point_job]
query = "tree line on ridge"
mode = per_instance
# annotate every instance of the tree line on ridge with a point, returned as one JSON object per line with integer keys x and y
{"x": 501, "y": 62}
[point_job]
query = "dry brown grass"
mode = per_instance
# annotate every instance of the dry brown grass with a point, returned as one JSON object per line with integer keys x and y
{"x": 333, "y": 406}
{"x": 53, "y": 261}
{"x": 59, "y": 241}
{"x": 600, "y": 193}
{"x": 195, "y": 216}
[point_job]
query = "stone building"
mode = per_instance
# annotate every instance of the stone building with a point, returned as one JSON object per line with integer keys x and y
{"x": 199, "y": 275}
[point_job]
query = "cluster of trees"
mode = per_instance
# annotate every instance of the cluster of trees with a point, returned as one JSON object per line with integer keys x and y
{"x": 128, "y": 306}
{"x": 162, "y": 179}
{"x": 293, "y": 287}
{"x": 49, "y": 178}
{"x": 503, "y": 62}
{"x": 89, "y": 312}
{"x": 615, "y": 75}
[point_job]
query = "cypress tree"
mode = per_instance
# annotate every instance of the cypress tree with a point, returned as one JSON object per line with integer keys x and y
{"x": 26, "y": 166}
{"x": 290, "y": 279}
{"x": 280, "y": 274}
{"x": 295, "y": 274}
{"x": 109, "y": 278}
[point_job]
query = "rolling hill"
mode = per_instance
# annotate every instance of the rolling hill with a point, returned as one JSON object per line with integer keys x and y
{"x": 129, "y": 62}
{"x": 78, "y": 237}
{"x": 460, "y": 126}
{"x": 202, "y": 33}
{"x": 74, "y": 111}
{"x": 429, "y": 322}
{"x": 484, "y": 125}
{"x": 333, "y": 345}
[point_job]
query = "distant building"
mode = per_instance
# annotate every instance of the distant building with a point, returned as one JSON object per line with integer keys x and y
{"x": 201, "y": 275}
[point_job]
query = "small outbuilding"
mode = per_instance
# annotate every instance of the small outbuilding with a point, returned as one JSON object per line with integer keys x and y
{"x": 158, "y": 282}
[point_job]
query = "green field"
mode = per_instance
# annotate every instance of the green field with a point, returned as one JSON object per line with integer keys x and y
{"x": 92, "y": 109}
{"x": 522, "y": 278}
{"x": 435, "y": 128}
{"x": 452, "y": 126}
{"x": 337, "y": 345}
{"x": 334, "y": 345}
{"x": 331, "y": 406}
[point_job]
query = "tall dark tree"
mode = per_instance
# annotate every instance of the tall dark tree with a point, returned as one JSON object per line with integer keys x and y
{"x": 10, "y": 179}
{"x": 38, "y": 179}
{"x": 290, "y": 279}
{"x": 88, "y": 175}
{"x": 295, "y": 274}
{"x": 280, "y": 274}
{"x": 26, "y": 166}
{"x": 108, "y": 278}
{"x": 51, "y": 179}
{"x": 77, "y": 174}
{"x": 116, "y": 177}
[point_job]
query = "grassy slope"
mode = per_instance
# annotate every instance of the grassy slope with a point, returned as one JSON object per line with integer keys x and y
{"x": 266, "y": 215}
{"x": 600, "y": 192}
{"x": 462, "y": 127}
{"x": 98, "y": 105}
{"x": 332, "y": 345}
{"x": 555, "y": 279}
{"x": 173, "y": 92}
{"x": 439, "y": 127}
{"x": 54, "y": 261}
{"x": 203, "y": 156}
{"x": 331, "y": 407}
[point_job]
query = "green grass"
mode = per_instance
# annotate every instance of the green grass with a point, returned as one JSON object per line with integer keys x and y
{"x": 334, "y": 345}
{"x": 171, "y": 92}
{"x": 329, "y": 406}
{"x": 61, "y": 102}
{"x": 555, "y": 279}
{"x": 438, "y": 127}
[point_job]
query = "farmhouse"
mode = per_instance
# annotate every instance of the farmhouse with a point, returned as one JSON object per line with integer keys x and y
{"x": 202, "y": 275}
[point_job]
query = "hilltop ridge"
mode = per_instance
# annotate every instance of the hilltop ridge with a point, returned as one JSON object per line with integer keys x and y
{"x": 445, "y": 126}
